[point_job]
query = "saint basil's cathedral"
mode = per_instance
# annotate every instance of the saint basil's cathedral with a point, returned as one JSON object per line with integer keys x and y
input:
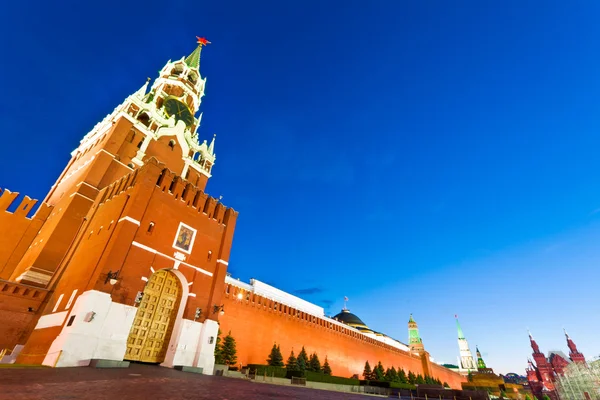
{"x": 126, "y": 257}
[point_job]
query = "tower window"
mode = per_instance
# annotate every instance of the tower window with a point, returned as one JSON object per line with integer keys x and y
{"x": 144, "y": 119}
{"x": 172, "y": 144}
{"x": 139, "y": 145}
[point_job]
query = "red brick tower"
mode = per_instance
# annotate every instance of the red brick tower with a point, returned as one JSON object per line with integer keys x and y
{"x": 574, "y": 354}
{"x": 541, "y": 378}
{"x": 134, "y": 252}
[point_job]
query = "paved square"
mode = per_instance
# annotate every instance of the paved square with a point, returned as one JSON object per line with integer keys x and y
{"x": 144, "y": 382}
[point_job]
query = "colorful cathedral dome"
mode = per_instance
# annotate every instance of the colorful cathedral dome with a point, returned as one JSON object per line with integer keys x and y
{"x": 348, "y": 318}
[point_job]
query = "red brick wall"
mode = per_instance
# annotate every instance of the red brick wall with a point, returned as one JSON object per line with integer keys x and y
{"x": 256, "y": 327}
{"x": 17, "y": 320}
{"x": 18, "y": 231}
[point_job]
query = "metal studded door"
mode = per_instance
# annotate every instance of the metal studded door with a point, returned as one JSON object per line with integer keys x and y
{"x": 151, "y": 331}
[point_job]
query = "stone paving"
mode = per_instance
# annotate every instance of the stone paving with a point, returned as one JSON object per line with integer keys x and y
{"x": 144, "y": 382}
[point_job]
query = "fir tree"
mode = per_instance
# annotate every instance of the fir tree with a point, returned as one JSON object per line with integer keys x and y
{"x": 446, "y": 385}
{"x": 546, "y": 397}
{"x": 367, "y": 373}
{"x": 313, "y": 363}
{"x": 411, "y": 378}
{"x": 229, "y": 352}
{"x": 527, "y": 397}
{"x": 470, "y": 377}
{"x": 292, "y": 362}
{"x": 218, "y": 350}
{"x": 402, "y": 378}
{"x": 275, "y": 359}
{"x": 438, "y": 382}
{"x": 326, "y": 367}
{"x": 379, "y": 372}
{"x": 391, "y": 375}
{"x": 419, "y": 380}
{"x": 302, "y": 360}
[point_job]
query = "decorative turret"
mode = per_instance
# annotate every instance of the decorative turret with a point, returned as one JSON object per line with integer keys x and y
{"x": 415, "y": 343}
{"x": 466, "y": 357}
{"x": 480, "y": 363}
{"x": 574, "y": 354}
{"x": 534, "y": 345}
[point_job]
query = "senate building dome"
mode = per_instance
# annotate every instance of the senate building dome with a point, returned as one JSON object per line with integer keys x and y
{"x": 346, "y": 317}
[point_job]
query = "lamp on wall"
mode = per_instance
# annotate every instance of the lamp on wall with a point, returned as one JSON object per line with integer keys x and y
{"x": 198, "y": 313}
{"x": 111, "y": 277}
{"x": 220, "y": 309}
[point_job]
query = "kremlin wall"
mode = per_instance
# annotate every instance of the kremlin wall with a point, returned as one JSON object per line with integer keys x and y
{"x": 127, "y": 256}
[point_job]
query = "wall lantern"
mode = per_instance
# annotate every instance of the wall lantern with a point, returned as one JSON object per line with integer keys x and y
{"x": 111, "y": 277}
{"x": 198, "y": 313}
{"x": 220, "y": 309}
{"x": 240, "y": 296}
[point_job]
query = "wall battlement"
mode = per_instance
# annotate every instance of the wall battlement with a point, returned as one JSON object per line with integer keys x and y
{"x": 185, "y": 191}
{"x": 24, "y": 209}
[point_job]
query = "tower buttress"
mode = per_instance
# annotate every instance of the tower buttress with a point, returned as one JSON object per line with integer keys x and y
{"x": 415, "y": 343}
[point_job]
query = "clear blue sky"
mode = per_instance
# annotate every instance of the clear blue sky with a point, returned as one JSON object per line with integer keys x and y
{"x": 431, "y": 157}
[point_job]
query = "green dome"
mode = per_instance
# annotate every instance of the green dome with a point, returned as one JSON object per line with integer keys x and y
{"x": 350, "y": 319}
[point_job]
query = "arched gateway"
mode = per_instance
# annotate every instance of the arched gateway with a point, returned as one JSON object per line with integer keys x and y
{"x": 151, "y": 330}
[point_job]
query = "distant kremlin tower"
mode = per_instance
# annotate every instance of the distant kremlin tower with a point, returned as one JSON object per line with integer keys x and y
{"x": 126, "y": 258}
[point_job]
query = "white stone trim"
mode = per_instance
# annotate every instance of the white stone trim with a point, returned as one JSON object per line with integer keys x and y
{"x": 58, "y": 302}
{"x": 71, "y": 299}
{"x": 222, "y": 262}
{"x": 114, "y": 159}
{"x": 127, "y": 218}
{"x": 192, "y": 294}
{"x": 50, "y": 320}
{"x": 151, "y": 250}
{"x": 144, "y": 279}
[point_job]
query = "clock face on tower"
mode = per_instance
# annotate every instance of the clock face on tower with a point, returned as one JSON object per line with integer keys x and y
{"x": 179, "y": 110}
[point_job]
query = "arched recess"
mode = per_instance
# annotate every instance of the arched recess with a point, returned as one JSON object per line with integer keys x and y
{"x": 150, "y": 336}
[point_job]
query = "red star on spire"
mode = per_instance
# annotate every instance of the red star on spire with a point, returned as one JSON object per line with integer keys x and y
{"x": 202, "y": 41}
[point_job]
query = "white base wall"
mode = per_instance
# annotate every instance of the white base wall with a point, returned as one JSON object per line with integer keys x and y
{"x": 187, "y": 343}
{"x": 205, "y": 356}
{"x": 100, "y": 329}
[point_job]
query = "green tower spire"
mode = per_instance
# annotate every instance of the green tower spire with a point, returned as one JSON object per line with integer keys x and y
{"x": 480, "y": 363}
{"x": 460, "y": 332}
{"x": 193, "y": 60}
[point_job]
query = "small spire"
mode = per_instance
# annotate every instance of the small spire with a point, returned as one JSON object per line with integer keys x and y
{"x": 193, "y": 60}
{"x": 410, "y": 319}
{"x": 211, "y": 148}
{"x": 566, "y": 334}
{"x": 141, "y": 92}
{"x": 460, "y": 332}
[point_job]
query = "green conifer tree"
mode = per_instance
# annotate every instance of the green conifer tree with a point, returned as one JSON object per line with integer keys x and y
{"x": 391, "y": 375}
{"x": 313, "y": 363}
{"x": 412, "y": 378}
{"x": 367, "y": 372}
{"x": 379, "y": 372}
{"x": 275, "y": 359}
{"x": 229, "y": 351}
{"x": 302, "y": 360}
{"x": 419, "y": 380}
{"x": 402, "y": 378}
{"x": 446, "y": 385}
{"x": 326, "y": 367}
{"x": 218, "y": 349}
{"x": 527, "y": 397}
{"x": 292, "y": 362}
{"x": 546, "y": 397}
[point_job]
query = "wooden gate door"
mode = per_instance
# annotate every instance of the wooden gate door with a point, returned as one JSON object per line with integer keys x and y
{"x": 151, "y": 330}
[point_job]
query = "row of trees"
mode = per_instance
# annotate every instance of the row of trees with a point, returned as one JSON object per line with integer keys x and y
{"x": 301, "y": 363}
{"x": 392, "y": 375}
